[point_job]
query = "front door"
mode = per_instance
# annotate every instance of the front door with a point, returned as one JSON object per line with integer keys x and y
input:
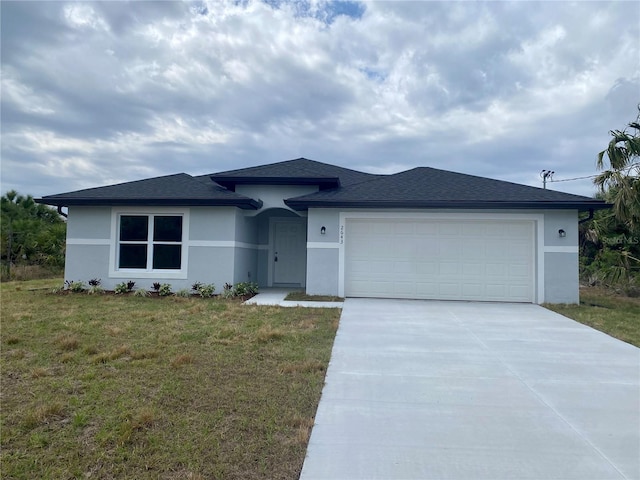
{"x": 289, "y": 252}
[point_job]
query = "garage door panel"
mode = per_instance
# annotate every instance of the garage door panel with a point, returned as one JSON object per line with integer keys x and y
{"x": 444, "y": 259}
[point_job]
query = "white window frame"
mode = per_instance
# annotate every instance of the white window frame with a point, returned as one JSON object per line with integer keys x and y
{"x": 116, "y": 272}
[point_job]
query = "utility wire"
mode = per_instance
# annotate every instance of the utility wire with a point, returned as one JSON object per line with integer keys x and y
{"x": 588, "y": 176}
{"x": 571, "y": 179}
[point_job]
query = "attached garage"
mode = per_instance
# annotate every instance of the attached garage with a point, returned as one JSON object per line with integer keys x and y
{"x": 445, "y": 259}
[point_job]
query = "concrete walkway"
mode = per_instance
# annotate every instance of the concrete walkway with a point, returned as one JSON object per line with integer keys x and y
{"x": 276, "y": 296}
{"x": 461, "y": 390}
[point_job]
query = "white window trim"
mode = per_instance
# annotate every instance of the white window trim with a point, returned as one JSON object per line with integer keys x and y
{"x": 115, "y": 272}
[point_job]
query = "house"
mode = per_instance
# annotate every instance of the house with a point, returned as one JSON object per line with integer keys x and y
{"x": 423, "y": 233}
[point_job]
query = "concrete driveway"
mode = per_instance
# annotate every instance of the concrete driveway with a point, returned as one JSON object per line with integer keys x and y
{"x": 459, "y": 390}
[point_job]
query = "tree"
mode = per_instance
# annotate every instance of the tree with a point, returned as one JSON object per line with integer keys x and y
{"x": 619, "y": 181}
{"x": 31, "y": 233}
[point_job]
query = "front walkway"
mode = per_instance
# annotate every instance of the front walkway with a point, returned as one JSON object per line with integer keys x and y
{"x": 276, "y": 296}
{"x": 462, "y": 390}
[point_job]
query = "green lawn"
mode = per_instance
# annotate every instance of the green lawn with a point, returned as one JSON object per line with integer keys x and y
{"x": 606, "y": 311}
{"x": 165, "y": 388}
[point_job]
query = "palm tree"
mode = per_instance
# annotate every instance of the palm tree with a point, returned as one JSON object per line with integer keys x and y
{"x": 620, "y": 182}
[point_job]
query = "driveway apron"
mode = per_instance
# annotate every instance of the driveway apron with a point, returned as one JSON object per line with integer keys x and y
{"x": 464, "y": 390}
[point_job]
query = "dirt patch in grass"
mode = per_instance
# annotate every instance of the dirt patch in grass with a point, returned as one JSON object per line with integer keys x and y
{"x": 301, "y": 296}
{"x": 132, "y": 387}
{"x": 607, "y": 311}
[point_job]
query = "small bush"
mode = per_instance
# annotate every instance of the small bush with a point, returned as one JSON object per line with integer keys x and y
{"x": 245, "y": 288}
{"x": 75, "y": 287}
{"x": 95, "y": 282}
{"x": 183, "y": 292}
{"x": 95, "y": 290}
{"x": 203, "y": 289}
{"x": 164, "y": 290}
{"x": 130, "y": 285}
{"x": 141, "y": 292}
{"x": 156, "y": 286}
{"x": 120, "y": 288}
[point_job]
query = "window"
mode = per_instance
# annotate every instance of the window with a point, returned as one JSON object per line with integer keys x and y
{"x": 150, "y": 242}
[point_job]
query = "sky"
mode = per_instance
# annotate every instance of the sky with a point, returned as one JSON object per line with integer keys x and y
{"x": 96, "y": 93}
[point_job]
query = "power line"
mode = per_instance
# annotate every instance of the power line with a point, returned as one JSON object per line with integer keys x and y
{"x": 571, "y": 179}
{"x": 585, "y": 177}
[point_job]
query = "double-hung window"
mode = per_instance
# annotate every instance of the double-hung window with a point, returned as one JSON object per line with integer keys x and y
{"x": 150, "y": 242}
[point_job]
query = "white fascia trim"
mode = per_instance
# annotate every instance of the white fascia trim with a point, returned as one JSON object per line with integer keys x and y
{"x": 552, "y": 249}
{"x": 138, "y": 273}
{"x": 323, "y": 245}
{"x": 89, "y": 241}
{"x": 537, "y": 218}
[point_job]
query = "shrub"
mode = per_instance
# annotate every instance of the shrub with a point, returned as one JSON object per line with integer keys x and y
{"x": 141, "y": 292}
{"x": 245, "y": 288}
{"x": 156, "y": 286}
{"x": 207, "y": 290}
{"x": 75, "y": 287}
{"x": 130, "y": 285}
{"x": 95, "y": 282}
{"x": 120, "y": 288}
{"x": 164, "y": 290}
{"x": 95, "y": 290}
{"x": 183, "y": 292}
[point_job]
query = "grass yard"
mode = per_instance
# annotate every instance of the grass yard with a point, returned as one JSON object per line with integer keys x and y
{"x": 606, "y": 311}
{"x": 301, "y": 296}
{"x": 107, "y": 387}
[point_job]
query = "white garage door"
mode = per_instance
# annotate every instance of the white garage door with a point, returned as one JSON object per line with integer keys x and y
{"x": 440, "y": 259}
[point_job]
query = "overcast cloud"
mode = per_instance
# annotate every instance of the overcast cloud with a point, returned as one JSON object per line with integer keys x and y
{"x": 100, "y": 93}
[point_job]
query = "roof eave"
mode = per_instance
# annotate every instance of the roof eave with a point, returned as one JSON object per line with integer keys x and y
{"x": 245, "y": 204}
{"x": 581, "y": 206}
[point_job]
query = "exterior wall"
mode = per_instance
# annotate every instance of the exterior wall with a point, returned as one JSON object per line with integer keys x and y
{"x": 88, "y": 240}
{"x": 561, "y": 283}
{"x": 556, "y": 257}
{"x": 220, "y": 247}
{"x": 323, "y": 252}
{"x": 561, "y": 270}
{"x": 245, "y": 266}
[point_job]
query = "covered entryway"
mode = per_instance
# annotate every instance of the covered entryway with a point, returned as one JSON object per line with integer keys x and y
{"x": 444, "y": 259}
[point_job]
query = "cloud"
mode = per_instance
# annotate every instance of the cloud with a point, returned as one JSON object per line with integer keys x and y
{"x": 94, "y": 93}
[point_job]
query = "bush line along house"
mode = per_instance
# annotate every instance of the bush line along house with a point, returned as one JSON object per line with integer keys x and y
{"x": 423, "y": 233}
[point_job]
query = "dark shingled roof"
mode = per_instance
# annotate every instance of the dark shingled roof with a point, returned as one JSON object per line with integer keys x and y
{"x": 179, "y": 190}
{"x": 425, "y": 187}
{"x": 293, "y": 172}
{"x": 339, "y": 187}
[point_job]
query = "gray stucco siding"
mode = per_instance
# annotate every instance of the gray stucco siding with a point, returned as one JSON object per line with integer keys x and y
{"x": 245, "y": 265}
{"x": 323, "y": 263}
{"x": 89, "y": 222}
{"x": 561, "y": 283}
{"x": 555, "y": 220}
{"x": 85, "y": 262}
{"x": 210, "y": 265}
{"x": 212, "y": 223}
{"x": 323, "y": 217}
